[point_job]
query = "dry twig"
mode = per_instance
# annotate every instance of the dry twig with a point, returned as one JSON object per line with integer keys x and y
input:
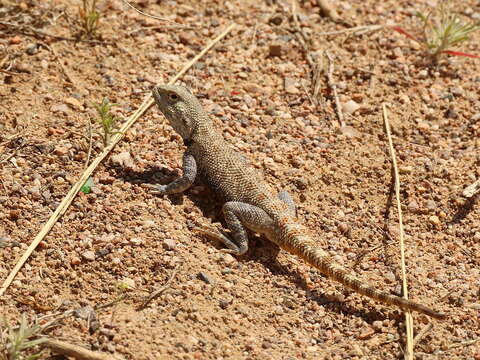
{"x": 302, "y": 37}
{"x": 472, "y": 189}
{"x": 316, "y": 79}
{"x": 8, "y": 72}
{"x": 422, "y": 333}
{"x": 90, "y": 143}
{"x": 154, "y": 16}
{"x": 64, "y": 69}
{"x": 75, "y": 351}
{"x": 408, "y": 315}
{"x": 333, "y": 86}
{"x": 357, "y": 30}
{"x": 31, "y": 31}
{"x": 160, "y": 291}
{"x": 60, "y": 210}
{"x": 465, "y": 343}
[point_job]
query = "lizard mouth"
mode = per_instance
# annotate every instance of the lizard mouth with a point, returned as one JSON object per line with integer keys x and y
{"x": 156, "y": 94}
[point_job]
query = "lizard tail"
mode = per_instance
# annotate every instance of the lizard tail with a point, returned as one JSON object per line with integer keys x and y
{"x": 295, "y": 242}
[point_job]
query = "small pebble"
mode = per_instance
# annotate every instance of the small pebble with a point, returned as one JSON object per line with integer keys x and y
{"x": 451, "y": 114}
{"x": 23, "y": 68}
{"x": 389, "y": 276}
{"x": 88, "y": 255}
{"x": 290, "y": 85}
{"x": 32, "y": 49}
{"x": 75, "y": 260}
{"x": 405, "y": 169}
{"x": 59, "y": 108}
{"x": 350, "y": 107}
{"x": 457, "y": 91}
{"x": 136, "y": 241}
{"x": 397, "y": 52}
{"x": 130, "y": 283}
{"x": 73, "y": 102}
{"x": 343, "y": 228}
{"x": 378, "y": 325}
{"x": 413, "y": 207}
{"x": 123, "y": 159}
{"x": 205, "y": 277}
{"x": 228, "y": 259}
{"x": 367, "y": 333}
{"x": 431, "y": 205}
{"x": 350, "y": 131}
{"x": 275, "y": 50}
{"x": 276, "y": 19}
{"x": 423, "y": 74}
{"x": 226, "y": 271}
{"x": 223, "y": 303}
{"x": 169, "y": 244}
{"x": 15, "y": 40}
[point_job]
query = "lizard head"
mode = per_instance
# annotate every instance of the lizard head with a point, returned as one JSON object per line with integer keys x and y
{"x": 181, "y": 108}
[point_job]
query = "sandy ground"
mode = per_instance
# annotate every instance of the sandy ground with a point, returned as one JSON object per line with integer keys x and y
{"x": 121, "y": 241}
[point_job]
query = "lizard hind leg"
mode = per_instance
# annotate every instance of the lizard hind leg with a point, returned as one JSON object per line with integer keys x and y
{"x": 240, "y": 217}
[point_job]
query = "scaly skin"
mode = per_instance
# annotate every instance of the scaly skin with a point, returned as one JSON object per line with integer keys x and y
{"x": 250, "y": 202}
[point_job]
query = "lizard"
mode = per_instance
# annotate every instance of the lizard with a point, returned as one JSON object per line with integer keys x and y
{"x": 249, "y": 201}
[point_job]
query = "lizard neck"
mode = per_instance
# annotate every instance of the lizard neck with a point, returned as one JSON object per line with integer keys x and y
{"x": 204, "y": 133}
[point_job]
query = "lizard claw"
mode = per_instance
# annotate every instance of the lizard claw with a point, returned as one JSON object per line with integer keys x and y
{"x": 210, "y": 231}
{"x": 219, "y": 235}
{"x": 156, "y": 188}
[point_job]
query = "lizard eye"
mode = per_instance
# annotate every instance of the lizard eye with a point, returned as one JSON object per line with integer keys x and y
{"x": 173, "y": 96}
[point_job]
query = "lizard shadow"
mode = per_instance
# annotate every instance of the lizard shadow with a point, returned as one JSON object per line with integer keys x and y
{"x": 260, "y": 249}
{"x": 266, "y": 253}
{"x": 463, "y": 210}
{"x": 154, "y": 175}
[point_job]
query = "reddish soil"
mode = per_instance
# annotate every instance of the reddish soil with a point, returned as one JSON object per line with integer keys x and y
{"x": 258, "y": 86}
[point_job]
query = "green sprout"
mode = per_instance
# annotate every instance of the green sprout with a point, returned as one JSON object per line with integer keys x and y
{"x": 89, "y": 16}
{"x": 442, "y": 30}
{"x": 15, "y": 340}
{"x": 107, "y": 120}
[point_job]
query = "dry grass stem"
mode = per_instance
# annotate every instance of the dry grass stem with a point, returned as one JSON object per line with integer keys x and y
{"x": 357, "y": 30}
{"x": 472, "y": 189}
{"x": 31, "y": 31}
{"x": 333, "y": 86}
{"x": 408, "y": 315}
{"x": 154, "y": 16}
{"x": 422, "y": 333}
{"x": 64, "y": 69}
{"x": 75, "y": 351}
{"x": 302, "y": 37}
{"x": 90, "y": 143}
{"x": 160, "y": 291}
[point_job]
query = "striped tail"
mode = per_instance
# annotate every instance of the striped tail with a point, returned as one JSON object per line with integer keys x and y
{"x": 293, "y": 240}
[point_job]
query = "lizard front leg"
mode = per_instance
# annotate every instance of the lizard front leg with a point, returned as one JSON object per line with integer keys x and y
{"x": 182, "y": 183}
{"x": 240, "y": 216}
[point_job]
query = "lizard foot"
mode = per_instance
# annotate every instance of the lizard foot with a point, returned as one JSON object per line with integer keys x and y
{"x": 219, "y": 235}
